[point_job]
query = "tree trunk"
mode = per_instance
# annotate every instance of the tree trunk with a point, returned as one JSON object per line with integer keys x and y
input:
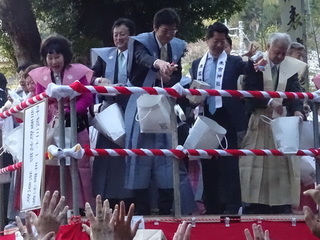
{"x": 19, "y": 22}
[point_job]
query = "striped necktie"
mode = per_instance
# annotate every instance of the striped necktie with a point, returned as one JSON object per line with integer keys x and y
{"x": 164, "y": 53}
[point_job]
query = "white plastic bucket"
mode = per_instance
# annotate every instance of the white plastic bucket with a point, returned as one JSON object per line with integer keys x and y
{"x": 154, "y": 114}
{"x": 285, "y": 131}
{"x": 205, "y": 134}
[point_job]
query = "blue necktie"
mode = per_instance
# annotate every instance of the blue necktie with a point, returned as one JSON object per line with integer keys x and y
{"x": 122, "y": 70}
{"x": 212, "y": 100}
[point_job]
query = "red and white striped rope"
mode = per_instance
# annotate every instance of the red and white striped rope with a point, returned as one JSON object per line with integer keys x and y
{"x": 11, "y": 168}
{"x": 181, "y": 153}
{"x": 23, "y": 105}
{"x": 201, "y": 153}
{"x": 80, "y": 88}
{"x": 178, "y": 92}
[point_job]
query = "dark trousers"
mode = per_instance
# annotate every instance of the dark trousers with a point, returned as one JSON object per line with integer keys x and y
{"x": 221, "y": 190}
{"x": 266, "y": 209}
{"x": 221, "y": 181}
{"x": 142, "y": 201}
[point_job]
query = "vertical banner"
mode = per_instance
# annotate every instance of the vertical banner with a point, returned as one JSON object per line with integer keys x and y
{"x": 292, "y": 19}
{"x": 34, "y": 141}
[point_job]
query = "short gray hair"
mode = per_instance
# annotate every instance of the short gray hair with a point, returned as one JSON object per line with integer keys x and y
{"x": 278, "y": 36}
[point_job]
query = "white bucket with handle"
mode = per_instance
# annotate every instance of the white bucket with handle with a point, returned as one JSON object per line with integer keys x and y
{"x": 205, "y": 134}
{"x": 285, "y": 131}
{"x": 153, "y": 114}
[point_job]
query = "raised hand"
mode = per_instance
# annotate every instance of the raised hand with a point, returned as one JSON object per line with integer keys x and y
{"x": 183, "y": 232}
{"x": 310, "y": 218}
{"x": 123, "y": 230}
{"x": 52, "y": 214}
{"x": 101, "y": 225}
{"x": 258, "y": 233}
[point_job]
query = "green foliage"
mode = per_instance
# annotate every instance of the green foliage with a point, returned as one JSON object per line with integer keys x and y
{"x": 88, "y": 23}
{"x": 262, "y": 36}
{"x": 7, "y": 60}
{"x": 258, "y": 16}
{"x": 62, "y": 17}
{"x": 313, "y": 7}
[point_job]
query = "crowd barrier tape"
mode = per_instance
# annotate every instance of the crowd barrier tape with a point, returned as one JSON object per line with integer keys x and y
{"x": 77, "y": 88}
{"x": 23, "y": 105}
{"x": 77, "y": 152}
{"x": 178, "y": 91}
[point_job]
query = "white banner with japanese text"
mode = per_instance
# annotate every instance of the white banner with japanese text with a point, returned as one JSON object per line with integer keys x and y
{"x": 34, "y": 143}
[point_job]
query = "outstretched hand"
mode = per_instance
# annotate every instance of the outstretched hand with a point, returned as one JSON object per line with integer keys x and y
{"x": 312, "y": 221}
{"x": 183, "y": 232}
{"x": 101, "y": 225}
{"x": 123, "y": 230}
{"x": 52, "y": 215}
{"x": 27, "y": 232}
{"x": 252, "y": 50}
{"x": 310, "y": 218}
{"x": 258, "y": 233}
{"x": 166, "y": 69}
{"x": 108, "y": 225}
{"x": 314, "y": 194}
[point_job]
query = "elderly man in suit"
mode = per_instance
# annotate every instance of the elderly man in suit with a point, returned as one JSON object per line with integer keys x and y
{"x": 221, "y": 175}
{"x": 270, "y": 184}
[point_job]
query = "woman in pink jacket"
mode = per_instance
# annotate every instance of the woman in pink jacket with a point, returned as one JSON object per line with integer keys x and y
{"x": 56, "y": 54}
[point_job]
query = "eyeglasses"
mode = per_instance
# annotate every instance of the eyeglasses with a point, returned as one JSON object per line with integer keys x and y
{"x": 170, "y": 31}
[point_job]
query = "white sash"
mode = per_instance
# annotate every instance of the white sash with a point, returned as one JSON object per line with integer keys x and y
{"x": 287, "y": 68}
{"x": 219, "y": 73}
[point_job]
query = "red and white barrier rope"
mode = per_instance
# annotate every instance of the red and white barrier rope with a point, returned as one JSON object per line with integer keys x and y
{"x": 201, "y": 153}
{"x": 178, "y": 91}
{"x": 135, "y": 152}
{"x": 23, "y": 105}
{"x": 11, "y": 168}
{"x": 77, "y": 88}
{"x": 180, "y": 153}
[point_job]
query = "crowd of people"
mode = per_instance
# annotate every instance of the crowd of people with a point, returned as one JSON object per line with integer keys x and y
{"x": 257, "y": 185}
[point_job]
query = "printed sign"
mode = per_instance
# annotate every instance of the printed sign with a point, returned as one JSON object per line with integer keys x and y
{"x": 34, "y": 141}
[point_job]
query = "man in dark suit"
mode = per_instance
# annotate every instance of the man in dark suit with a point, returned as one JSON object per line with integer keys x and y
{"x": 221, "y": 175}
{"x": 106, "y": 60}
{"x": 154, "y": 59}
{"x": 270, "y": 184}
{"x": 108, "y": 172}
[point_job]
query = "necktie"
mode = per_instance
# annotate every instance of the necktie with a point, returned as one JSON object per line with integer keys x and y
{"x": 164, "y": 53}
{"x": 212, "y": 100}
{"x": 274, "y": 73}
{"x": 122, "y": 70}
